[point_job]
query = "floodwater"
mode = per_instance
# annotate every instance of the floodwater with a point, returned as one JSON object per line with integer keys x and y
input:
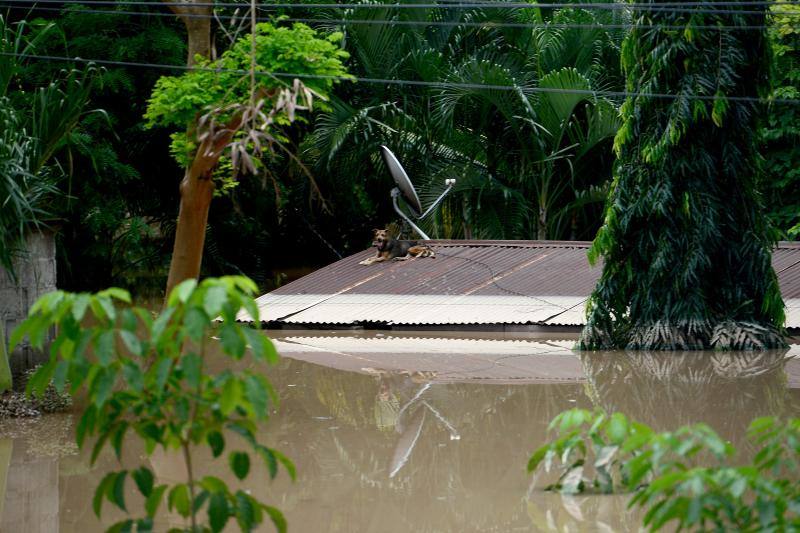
{"x": 416, "y": 433}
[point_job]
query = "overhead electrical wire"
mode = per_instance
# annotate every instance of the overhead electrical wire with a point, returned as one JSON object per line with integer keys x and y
{"x": 355, "y": 22}
{"x": 442, "y": 84}
{"x": 681, "y": 7}
{"x": 603, "y": 6}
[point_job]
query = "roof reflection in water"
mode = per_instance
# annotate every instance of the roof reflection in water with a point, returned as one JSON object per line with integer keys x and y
{"x": 431, "y": 435}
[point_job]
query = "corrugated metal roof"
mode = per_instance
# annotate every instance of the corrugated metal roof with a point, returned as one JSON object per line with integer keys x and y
{"x": 469, "y": 282}
{"x": 440, "y": 359}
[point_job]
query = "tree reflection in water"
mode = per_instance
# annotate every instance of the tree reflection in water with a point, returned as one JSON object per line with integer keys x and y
{"x": 666, "y": 390}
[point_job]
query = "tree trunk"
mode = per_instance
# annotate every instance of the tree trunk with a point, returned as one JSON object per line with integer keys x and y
{"x": 196, "y": 188}
{"x": 190, "y": 232}
{"x": 199, "y": 33}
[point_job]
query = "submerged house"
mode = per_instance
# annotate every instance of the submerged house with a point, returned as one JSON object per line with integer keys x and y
{"x": 471, "y": 286}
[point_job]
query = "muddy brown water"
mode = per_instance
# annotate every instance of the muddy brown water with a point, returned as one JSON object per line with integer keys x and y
{"x": 416, "y": 432}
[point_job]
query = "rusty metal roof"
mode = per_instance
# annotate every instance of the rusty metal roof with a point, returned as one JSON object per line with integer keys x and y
{"x": 469, "y": 282}
{"x": 492, "y": 359}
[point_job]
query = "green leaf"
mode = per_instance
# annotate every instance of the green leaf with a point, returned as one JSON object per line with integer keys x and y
{"x": 60, "y": 375}
{"x": 218, "y": 511}
{"x": 106, "y": 305}
{"x": 133, "y": 376}
{"x": 85, "y": 424}
{"x": 269, "y": 458}
{"x": 192, "y": 369}
{"x": 144, "y": 480}
{"x": 117, "y": 293}
{"x": 213, "y": 300}
{"x": 160, "y": 323}
{"x": 251, "y": 307}
{"x": 41, "y": 378}
{"x": 132, "y": 342}
{"x": 239, "y": 463}
{"x": 245, "y": 511}
{"x": 104, "y": 347}
{"x": 182, "y": 292}
{"x": 20, "y": 331}
{"x": 199, "y": 500}
{"x": 287, "y": 463}
{"x": 117, "y": 490}
{"x": 162, "y": 370}
{"x": 100, "y": 492}
{"x": 537, "y": 457}
{"x": 196, "y": 323}
{"x": 79, "y": 306}
{"x": 117, "y": 436}
{"x": 144, "y": 525}
{"x": 213, "y": 484}
{"x": 262, "y": 346}
{"x": 277, "y": 518}
{"x": 178, "y": 499}
{"x": 231, "y": 396}
{"x": 129, "y": 320}
{"x": 232, "y": 341}
{"x": 125, "y": 526}
{"x": 617, "y": 428}
{"x": 217, "y": 442}
{"x": 154, "y": 500}
{"x": 256, "y": 395}
{"x": 101, "y": 386}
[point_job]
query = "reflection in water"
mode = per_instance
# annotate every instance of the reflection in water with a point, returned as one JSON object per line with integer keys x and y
{"x": 381, "y": 451}
{"x": 667, "y": 390}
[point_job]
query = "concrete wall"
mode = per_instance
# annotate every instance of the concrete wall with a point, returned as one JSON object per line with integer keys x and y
{"x": 36, "y": 275}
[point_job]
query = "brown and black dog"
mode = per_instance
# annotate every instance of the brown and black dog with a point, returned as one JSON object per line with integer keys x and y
{"x": 390, "y": 249}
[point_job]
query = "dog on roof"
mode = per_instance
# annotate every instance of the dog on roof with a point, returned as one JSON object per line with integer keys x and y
{"x": 390, "y": 249}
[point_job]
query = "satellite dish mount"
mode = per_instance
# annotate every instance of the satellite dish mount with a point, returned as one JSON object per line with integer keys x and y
{"x": 405, "y": 190}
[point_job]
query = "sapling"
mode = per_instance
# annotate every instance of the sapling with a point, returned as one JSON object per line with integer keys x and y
{"x": 147, "y": 377}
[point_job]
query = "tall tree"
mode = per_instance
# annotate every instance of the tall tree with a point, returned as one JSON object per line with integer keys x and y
{"x": 685, "y": 245}
{"x": 229, "y": 111}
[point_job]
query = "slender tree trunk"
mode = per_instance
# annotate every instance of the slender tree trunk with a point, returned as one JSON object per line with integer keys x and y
{"x": 190, "y": 232}
{"x": 196, "y": 188}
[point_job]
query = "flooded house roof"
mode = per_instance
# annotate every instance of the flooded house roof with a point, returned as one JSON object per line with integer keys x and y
{"x": 504, "y": 285}
{"x": 499, "y": 358}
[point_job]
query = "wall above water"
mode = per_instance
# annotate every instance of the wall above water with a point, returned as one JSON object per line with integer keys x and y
{"x": 36, "y": 275}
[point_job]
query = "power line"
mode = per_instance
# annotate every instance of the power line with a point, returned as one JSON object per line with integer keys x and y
{"x": 356, "y": 22}
{"x": 675, "y": 6}
{"x": 418, "y": 83}
{"x": 680, "y": 7}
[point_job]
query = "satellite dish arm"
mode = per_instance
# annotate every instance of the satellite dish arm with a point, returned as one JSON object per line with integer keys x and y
{"x": 449, "y": 183}
{"x": 395, "y": 193}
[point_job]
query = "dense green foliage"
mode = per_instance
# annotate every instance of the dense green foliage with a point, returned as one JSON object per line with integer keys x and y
{"x": 531, "y": 161}
{"x": 609, "y": 453}
{"x": 528, "y": 163}
{"x": 221, "y": 85}
{"x": 118, "y": 200}
{"x": 685, "y": 244}
{"x": 149, "y": 377}
{"x": 34, "y": 126}
{"x": 780, "y": 135}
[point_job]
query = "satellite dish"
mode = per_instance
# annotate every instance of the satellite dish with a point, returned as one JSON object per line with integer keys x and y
{"x": 406, "y": 189}
{"x": 401, "y": 179}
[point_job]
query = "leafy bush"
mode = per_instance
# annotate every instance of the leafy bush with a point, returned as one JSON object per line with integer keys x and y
{"x": 610, "y": 453}
{"x": 148, "y": 377}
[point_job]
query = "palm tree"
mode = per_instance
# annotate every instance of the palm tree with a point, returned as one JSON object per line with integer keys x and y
{"x": 34, "y": 128}
{"x": 525, "y": 153}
